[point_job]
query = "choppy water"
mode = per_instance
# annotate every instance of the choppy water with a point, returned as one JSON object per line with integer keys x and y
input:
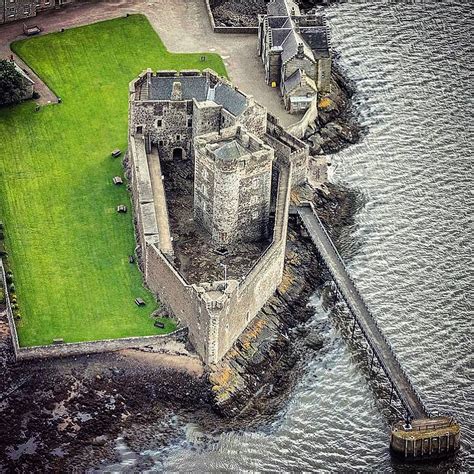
{"x": 410, "y": 250}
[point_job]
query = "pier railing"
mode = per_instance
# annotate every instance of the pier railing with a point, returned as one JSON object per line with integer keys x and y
{"x": 363, "y": 317}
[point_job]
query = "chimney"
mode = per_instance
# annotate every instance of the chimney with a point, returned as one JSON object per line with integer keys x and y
{"x": 177, "y": 93}
{"x": 300, "y": 53}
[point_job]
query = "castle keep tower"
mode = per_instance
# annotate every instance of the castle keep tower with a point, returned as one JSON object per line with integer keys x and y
{"x": 232, "y": 186}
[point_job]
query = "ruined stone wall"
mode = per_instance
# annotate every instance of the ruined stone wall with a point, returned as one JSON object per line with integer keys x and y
{"x": 254, "y": 118}
{"x": 164, "y": 280}
{"x": 168, "y": 123}
{"x": 206, "y": 118}
{"x": 93, "y": 347}
{"x": 288, "y": 149}
{"x": 323, "y": 82}
{"x": 227, "y": 119}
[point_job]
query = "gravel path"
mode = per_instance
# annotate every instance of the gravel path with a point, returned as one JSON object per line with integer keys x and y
{"x": 183, "y": 25}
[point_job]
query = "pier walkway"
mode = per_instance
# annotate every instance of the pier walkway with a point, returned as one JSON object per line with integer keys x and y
{"x": 379, "y": 345}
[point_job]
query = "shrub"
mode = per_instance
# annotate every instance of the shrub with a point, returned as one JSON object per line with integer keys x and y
{"x": 12, "y": 84}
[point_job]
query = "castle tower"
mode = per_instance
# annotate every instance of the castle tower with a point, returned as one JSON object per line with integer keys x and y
{"x": 232, "y": 185}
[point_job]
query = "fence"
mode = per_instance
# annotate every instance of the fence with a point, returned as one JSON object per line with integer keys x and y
{"x": 11, "y": 321}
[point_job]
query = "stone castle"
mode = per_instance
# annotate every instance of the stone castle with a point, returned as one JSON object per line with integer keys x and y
{"x": 211, "y": 175}
{"x": 295, "y": 52}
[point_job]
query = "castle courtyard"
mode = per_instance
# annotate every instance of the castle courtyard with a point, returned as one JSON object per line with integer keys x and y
{"x": 68, "y": 247}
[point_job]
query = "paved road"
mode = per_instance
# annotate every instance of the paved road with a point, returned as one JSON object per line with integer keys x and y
{"x": 184, "y": 27}
{"x": 364, "y": 318}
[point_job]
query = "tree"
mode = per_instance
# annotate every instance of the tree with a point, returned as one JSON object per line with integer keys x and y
{"x": 12, "y": 84}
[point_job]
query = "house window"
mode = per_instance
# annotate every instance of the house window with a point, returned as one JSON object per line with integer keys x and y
{"x": 26, "y": 9}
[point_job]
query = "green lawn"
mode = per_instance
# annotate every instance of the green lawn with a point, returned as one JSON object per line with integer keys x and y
{"x": 68, "y": 248}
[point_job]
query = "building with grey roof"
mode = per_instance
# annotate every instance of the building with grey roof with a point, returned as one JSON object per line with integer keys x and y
{"x": 290, "y": 41}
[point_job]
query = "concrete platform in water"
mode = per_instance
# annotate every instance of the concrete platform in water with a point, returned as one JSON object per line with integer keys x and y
{"x": 425, "y": 438}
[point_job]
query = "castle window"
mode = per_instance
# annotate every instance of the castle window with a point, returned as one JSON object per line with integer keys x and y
{"x": 255, "y": 183}
{"x": 140, "y": 129}
{"x": 161, "y": 143}
{"x": 178, "y": 137}
{"x": 254, "y": 215}
{"x": 190, "y": 122}
{"x": 159, "y": 123}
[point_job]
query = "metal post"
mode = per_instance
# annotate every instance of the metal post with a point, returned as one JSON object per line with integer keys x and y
{"x": 372, "y": 361}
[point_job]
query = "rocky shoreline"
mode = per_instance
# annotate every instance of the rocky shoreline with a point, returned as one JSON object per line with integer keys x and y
{"x": 68, "y": 414}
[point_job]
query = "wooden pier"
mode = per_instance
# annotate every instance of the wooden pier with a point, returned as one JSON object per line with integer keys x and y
{"x": 420, "y": 435}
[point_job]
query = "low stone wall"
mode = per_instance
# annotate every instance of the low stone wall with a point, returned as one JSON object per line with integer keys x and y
{"x": 11, "y": 321}
{"x": 79, "y": 348}
{"x": 244, "y": 30}
{"x": 176, "y": 293}
{"x": 94, "y": 347}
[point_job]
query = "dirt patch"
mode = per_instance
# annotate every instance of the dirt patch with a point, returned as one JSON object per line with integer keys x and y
{"x": 237, "y": 12}
{"x": 197, "y": 257}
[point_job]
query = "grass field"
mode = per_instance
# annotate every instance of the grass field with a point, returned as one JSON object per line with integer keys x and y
{"x": 68, "y": 248}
